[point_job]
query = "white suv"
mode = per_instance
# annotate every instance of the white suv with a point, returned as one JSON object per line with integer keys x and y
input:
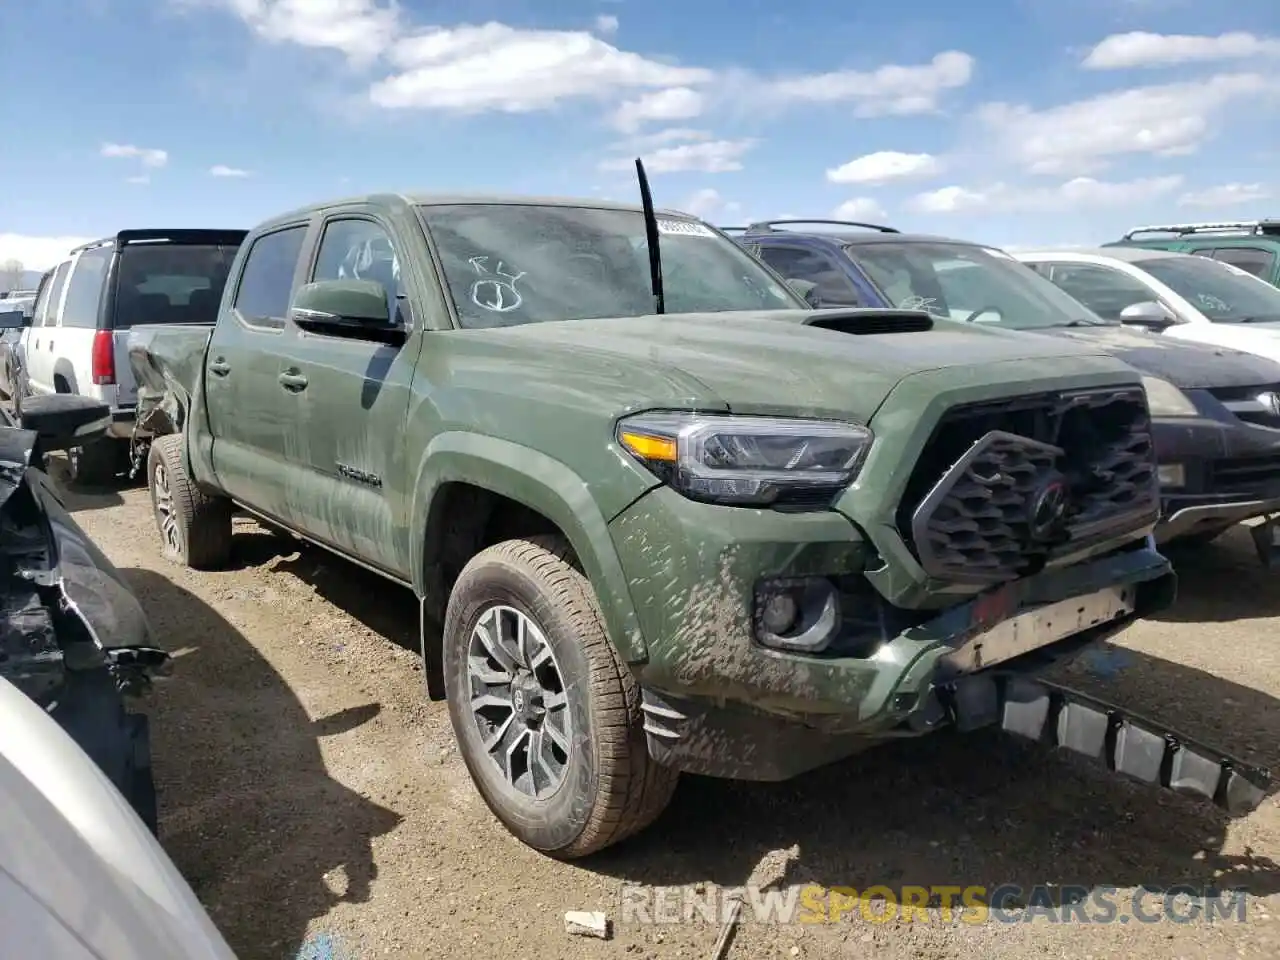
{"x": 78, "y": 340}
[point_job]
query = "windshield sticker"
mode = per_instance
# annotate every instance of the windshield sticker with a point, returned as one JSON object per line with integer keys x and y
{"x": 1210, "y": 302}
{"x": 683, "y": 228}
{"x": 495, "y": 291}
{"x": 928, "y": 304}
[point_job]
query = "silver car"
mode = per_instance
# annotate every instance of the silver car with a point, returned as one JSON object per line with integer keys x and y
{"x": 81, "y": 876}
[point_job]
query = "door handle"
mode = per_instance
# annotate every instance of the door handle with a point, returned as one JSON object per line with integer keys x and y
{"x": 219, "y": 367}
{"x": 293, "y": 382}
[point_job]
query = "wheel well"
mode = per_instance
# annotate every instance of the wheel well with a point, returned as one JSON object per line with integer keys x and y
{"x": 464, "y": 520}
{"x": 61, "y": 384}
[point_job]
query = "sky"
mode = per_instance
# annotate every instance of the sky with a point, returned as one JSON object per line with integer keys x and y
{"x": 1011, "y": 122}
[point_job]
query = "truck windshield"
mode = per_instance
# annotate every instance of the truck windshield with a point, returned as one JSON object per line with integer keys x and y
{"x": 170, "y": 283}
{"x": 1223, "y": 293}
{"x": 508, "y": 264}
{"x": 960, "y": 281}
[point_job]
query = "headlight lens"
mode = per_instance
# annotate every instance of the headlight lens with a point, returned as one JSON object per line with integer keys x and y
{"x": 1166, "y": 400}
{"x": 748, "y": 461}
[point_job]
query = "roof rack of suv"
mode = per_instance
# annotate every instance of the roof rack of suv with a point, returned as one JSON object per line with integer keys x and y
{"x": 767, "y": 226}
{"x": 1251, "y": 227}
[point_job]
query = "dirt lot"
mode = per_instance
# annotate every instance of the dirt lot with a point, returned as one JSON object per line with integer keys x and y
{"x": 315, "y": 801}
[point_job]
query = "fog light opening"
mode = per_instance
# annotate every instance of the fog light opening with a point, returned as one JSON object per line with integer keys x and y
{"x": 801, "y": 614}
{"x": 1172, "y": 474}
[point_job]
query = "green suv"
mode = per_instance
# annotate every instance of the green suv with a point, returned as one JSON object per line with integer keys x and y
{"x": 700, "y": 528}
{"x": 1251, "y": 245}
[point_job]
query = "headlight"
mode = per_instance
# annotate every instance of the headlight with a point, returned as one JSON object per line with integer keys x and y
{"x": 747, "y": 461}
{"x": 1166, "y": 400}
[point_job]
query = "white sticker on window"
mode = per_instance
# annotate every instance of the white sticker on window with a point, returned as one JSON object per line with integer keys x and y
{"x": 683, "y": 228}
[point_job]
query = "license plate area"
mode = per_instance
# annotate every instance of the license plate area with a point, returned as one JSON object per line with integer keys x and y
{"x": 1034, "y": 629}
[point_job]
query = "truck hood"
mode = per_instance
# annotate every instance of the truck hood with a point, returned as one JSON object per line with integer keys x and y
{"x": 1184, "y": 363}
{"x": 757, "y": 362}
{"x": 1260, "y": 338}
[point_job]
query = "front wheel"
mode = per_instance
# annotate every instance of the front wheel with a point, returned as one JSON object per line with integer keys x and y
{"x": 546, "y": 714}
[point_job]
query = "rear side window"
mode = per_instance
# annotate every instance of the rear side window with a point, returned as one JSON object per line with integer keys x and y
{"x": 1251, "y": 259}
{"x": 266, "y": 283}
{"x": 84, "y": 289}
{"x": 47, "y": 309}
{"x": 170, "y": 283}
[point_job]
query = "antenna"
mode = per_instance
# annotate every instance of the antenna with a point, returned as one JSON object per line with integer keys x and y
{"x": 651, "y": 232}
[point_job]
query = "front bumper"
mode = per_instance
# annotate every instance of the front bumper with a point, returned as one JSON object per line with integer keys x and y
{"x": 1230, "y": 472}
{"x": 719, "y": 702}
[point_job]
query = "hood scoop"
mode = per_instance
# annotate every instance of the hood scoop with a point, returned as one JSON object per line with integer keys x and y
{"x": 862, "y": 321}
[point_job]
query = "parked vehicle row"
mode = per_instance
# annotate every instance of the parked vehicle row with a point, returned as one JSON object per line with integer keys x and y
{"x": 1215, "y": 410}
{"x": 661, "y": 515}
{"x": 1249, "y": 245}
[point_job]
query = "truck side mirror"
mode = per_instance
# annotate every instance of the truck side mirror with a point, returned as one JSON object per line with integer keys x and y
{"x": 346, "y": 308}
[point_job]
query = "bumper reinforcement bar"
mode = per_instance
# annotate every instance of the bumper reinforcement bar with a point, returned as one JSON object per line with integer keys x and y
{"x": 1127, "y": 744}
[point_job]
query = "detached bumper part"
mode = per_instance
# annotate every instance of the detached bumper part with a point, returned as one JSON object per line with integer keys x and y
{"x": 1127, "y": 744}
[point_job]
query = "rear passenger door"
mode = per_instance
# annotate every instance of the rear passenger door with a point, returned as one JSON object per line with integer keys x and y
{"x": 252, "y": 421}
{"x": 351, "y": 399}
{"x": 38, "y": 357}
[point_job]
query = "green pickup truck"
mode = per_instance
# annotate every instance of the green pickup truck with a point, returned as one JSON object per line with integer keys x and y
{"x": 1250, "y": 245}
{"x": 668, "y": 520}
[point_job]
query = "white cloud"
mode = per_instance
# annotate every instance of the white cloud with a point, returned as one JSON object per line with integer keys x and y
{"x": 1225, "y": 195}
{"x": 219, "y": 170}
{"x": 497, "y": 67}
{"x": 884, "y": 166}
{"x": 361, "y": 29}
{"x": 1139, "y": 49}
{"x": 675, "y": 103}
{"x": 606, "y": 25}
{"x": 860, "y": 208}
{"x": 1080, "y": 193}
{"x": 709, "y": 156}
{"x": 710, "y": 205}
{"x": 1167, "y": 120}
{"x": 37, "y": 253}
{"x": 661, "y": 138}
{"x": 149, "y": 157}
{"x": 888, "y": 90}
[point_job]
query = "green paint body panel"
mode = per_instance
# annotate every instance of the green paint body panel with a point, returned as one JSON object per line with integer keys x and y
{"x": 359, "y": 460}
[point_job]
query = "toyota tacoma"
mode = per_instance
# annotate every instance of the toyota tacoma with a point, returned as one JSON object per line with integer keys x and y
{"x": 660, "y": 515}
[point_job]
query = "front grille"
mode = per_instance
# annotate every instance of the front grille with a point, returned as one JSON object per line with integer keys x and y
{"x": 1251, "y": 404}
{"x": 1244, "y": 475}
{"x": 1003, "y": 487}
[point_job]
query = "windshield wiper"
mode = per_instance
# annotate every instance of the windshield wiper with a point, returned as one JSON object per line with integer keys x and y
{"x": 1262, "y": 319}
{"x": 1082, "y": 323}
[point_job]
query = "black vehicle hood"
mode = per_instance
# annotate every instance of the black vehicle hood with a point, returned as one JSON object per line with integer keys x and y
{"x": 50, "y": 550}
{"x": 1183, "y": 363}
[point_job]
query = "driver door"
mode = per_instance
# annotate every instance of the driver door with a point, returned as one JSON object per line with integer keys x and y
{"x": 352, "y": 400}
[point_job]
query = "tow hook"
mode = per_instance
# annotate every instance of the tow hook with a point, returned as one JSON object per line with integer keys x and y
{"x": 1133, "y": 746}
{"x": 134, "y": 668}
{"x": 1266, "y": 541}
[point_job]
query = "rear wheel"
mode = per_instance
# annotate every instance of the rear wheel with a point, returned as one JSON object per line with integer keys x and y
{"x": 546, "y": 713}
{"x": 195, "y": 528}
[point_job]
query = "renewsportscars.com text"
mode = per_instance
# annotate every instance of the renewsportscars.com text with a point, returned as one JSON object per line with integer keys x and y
{"x": 974, "y": 904}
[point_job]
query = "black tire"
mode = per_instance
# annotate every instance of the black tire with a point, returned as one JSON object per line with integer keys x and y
{"x": 199, "y": 534}
{"x": 96, "y": 464}
{"x": 611, "y": 788}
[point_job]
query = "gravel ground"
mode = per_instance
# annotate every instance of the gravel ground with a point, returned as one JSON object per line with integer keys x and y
{"x": 314, "y": 799}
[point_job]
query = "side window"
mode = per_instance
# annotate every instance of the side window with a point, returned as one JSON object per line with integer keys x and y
{"x": 84, "y": 289}
{"x": 831, "y": 285}
{"x": 266, "y": 282}
{"x": 1257, "y": 261}
{"x": 360, "y": 250}
{"x": 48, "y": 315}
{"x": 1103, "y": 290}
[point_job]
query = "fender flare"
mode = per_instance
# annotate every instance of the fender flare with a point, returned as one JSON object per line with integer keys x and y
{"x": 540, "y": 483}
